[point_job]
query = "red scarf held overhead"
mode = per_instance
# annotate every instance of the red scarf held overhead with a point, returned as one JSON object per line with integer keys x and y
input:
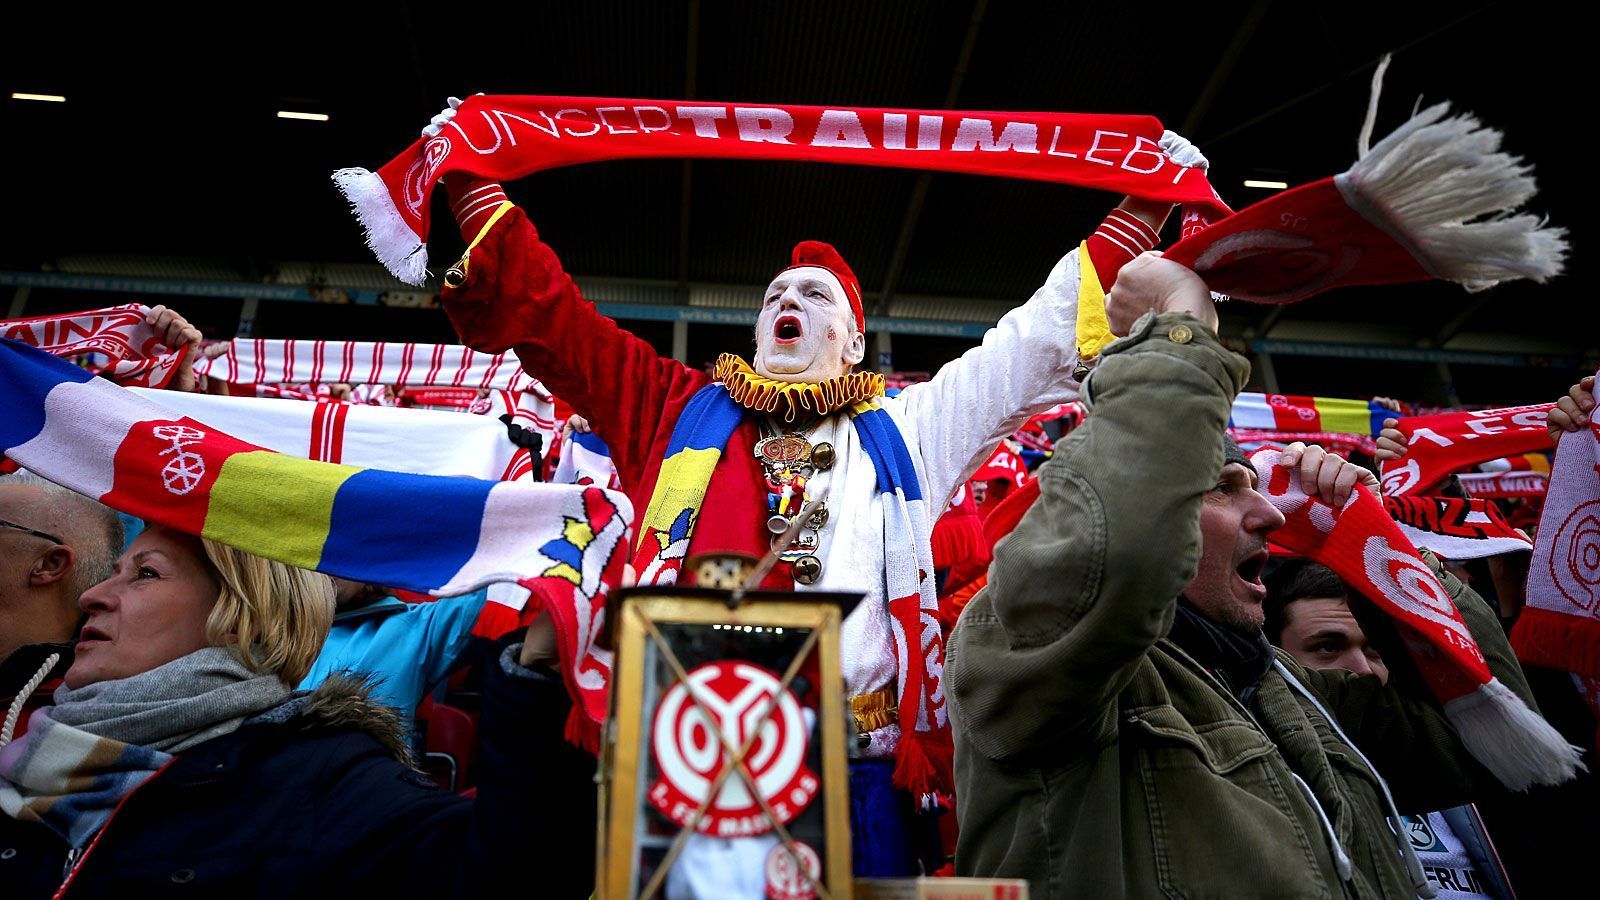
{"x": 137, "y": 356}
{"x": 507, "y": 137}
{"x": 1439, "y": 445}
{"x": 1367, "y": 550}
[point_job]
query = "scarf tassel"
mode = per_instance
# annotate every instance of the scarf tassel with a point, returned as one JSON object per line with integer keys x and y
{"x": 1427, "y": 181}
{"x": 924, "y": 764}
{"x": 388, "y": 236}
{"x": 1510, "y": 739}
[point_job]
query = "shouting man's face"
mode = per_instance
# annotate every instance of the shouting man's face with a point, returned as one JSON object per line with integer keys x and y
{"x": 1234, "y": 523}
{"x": 807, "y": 330}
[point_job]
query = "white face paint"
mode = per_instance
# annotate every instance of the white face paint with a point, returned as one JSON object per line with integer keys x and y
{"x": 807, "y": 330}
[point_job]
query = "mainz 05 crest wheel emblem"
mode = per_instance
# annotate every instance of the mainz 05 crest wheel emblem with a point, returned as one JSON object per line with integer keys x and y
{"x": 731, "y": 700}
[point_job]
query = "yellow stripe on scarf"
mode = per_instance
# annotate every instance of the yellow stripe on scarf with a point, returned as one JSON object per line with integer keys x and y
{"x": 1094, "y": 329}
{"x": 680, "y": 485}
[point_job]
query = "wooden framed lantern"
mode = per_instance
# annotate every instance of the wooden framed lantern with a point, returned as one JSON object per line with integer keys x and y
{"x": 725, "y": 752}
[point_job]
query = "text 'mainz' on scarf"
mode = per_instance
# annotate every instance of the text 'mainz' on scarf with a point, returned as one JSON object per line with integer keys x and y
{"x": 136, "y": 356}
{"x": 1560, "y": 625}
{"x": 508, "y": 137}
{"x": 436, "y": 535}
{"x": 1434, "y": 199}
{"x": 1440, "y": 445}
{"x": 1455, "y": 528}
{"x": 1368, "y": 552}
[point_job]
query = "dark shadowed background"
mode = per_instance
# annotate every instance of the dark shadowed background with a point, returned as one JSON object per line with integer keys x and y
{"x": 168, "y": 162}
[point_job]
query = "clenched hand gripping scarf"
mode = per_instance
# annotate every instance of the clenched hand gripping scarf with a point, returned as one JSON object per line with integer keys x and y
{"x": 1367, "y": 550}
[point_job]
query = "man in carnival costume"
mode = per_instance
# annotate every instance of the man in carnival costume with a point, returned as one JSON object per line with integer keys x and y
{"x": 798, "y": 419}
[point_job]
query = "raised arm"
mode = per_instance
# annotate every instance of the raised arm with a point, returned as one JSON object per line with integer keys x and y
{"x": 1026, "y": 362}
{"x": 513, "y": 294}
{"x": 1088, "y": 581}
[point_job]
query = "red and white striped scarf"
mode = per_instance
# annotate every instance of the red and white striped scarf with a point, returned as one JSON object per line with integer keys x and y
{"x": 262, "y": 361}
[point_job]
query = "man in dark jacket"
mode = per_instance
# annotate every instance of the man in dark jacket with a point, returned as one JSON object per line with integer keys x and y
{"x": 316, "y": 798}
{"x": 1122, "y": 728}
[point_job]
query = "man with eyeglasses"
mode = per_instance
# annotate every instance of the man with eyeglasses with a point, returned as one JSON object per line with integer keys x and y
{"x": 54, "y": 544}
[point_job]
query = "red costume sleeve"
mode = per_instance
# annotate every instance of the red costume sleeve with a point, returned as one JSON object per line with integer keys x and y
{"x": 516, "y": 295}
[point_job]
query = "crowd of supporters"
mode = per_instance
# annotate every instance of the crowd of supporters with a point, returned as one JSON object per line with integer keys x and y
{"x": 279, "y": 731}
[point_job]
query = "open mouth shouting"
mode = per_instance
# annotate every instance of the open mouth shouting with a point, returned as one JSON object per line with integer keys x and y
{"x": 787, "y": 329}
{"x": 91, "y": 635}
{"x": 1249, "y": 572}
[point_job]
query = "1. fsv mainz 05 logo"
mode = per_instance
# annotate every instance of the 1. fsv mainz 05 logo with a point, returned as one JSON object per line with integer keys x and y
{"x": 183, "y": 471}
{"x": 735, "y": 704}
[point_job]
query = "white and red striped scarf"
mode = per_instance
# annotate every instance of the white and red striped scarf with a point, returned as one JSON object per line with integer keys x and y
{"x": 1560, "y": 625}
{"x": 262, "y": 361}
{"x": 445, "y": 372}
{"x": 132, "y": 351}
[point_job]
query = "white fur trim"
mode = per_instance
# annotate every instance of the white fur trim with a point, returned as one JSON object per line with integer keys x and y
{"x": 1511, "y": 740}
{"x": 1443, "y": 188}
{"x": 388, "y": 235}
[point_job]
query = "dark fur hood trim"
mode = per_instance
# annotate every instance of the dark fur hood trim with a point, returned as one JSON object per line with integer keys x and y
{"x": 344, "y": 702}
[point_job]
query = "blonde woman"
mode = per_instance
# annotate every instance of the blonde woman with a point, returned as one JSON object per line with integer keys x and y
{"x": 177, "y": 754}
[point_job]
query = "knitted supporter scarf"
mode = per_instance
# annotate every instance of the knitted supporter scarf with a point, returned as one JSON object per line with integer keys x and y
{"x": 259, "y": 361}
{"x": 1455, "y": 528}
{"x": 1364, "y": 547}
{"x": 923, "y": 755}
{"x": 1440, "y": 444}
{"x": 442, "y": 536}
{"x": 1432, "y": 200}
{"x": 507, "y": 137}
{"x": 1346, "y": 445}
{"x": 1560, "y": 625}
{"x": 1505, "y": 485}
{"x": 117, "y": 333}
{"x": 1295, "y": 413}
{"x": 98, "y": 743}
{"x": 422, "y": 441}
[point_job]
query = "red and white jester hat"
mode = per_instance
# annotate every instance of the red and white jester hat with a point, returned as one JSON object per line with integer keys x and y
{"x": 823, "y": 256}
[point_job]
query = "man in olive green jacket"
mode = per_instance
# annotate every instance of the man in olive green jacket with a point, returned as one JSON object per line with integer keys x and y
{"x": 1116, "y": 739}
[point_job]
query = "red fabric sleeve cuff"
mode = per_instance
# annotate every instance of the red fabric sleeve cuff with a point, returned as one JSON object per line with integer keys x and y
{"x": 1120, "y": 238}
{"x": 473, "y": 200}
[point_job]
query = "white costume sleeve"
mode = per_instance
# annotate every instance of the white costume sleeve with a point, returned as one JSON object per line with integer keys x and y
{"x": 1023, "y": 368}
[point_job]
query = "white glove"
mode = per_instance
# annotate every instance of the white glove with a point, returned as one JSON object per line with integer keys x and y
{"x": 437, "y": 123}
{"x": 1180, "y": 151}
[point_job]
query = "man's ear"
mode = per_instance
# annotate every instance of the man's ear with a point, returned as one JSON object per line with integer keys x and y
{"x": 52, "y": 566}
{"x": 855, "y": 349}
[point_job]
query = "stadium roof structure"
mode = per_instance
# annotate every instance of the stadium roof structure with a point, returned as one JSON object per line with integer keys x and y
{"x": 168, "y": 159}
